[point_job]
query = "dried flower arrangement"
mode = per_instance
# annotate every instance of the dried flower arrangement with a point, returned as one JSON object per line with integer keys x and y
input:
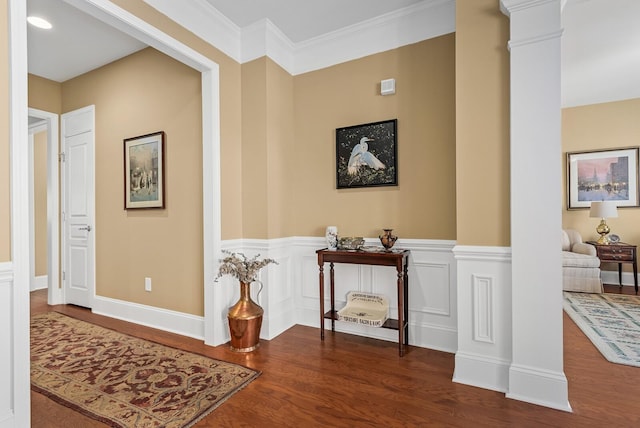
{"x": 241, "y": 267}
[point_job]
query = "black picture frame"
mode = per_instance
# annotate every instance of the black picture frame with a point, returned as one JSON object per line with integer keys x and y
{"x": 144, "y": 171}
{"x": 367, "y": 155}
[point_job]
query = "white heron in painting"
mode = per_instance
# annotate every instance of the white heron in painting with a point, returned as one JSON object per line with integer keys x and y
{"x": 360, "y": 156}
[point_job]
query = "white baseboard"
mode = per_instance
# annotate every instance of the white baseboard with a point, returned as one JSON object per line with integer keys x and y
{"x": 290, "y": 294}
{"x": 39, "y": 283}
{"x": 481, "y": 371}
{"x": 611, "y": 277}
{"x": 541, "y": 387}
{"x": 7, "y": 420}
{"x": 163, "y": 319}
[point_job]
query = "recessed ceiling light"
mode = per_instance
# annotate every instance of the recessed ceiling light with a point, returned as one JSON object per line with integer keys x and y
{"x": 39, "y": 22}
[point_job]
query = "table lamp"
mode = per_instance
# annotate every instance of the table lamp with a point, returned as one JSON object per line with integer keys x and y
{"x": 603, "y": 210}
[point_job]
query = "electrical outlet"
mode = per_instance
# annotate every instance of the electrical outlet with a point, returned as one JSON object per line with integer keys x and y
{"x": 147, "y": 284}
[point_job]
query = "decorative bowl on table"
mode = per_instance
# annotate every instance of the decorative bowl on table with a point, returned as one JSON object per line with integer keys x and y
{"x": 350, "y": 243}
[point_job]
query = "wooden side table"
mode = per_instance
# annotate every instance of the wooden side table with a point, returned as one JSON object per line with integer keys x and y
{"x": 619, "y": 253}
{"x": 395, "y": 258}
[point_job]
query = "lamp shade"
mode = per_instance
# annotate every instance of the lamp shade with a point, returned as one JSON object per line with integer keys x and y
{"x": 603, "y": 209}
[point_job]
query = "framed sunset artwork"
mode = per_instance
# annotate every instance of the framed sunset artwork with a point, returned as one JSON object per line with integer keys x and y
{"x": 602, "y": 175}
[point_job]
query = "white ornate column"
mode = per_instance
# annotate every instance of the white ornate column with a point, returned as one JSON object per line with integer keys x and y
{"x": 536, "y": 371}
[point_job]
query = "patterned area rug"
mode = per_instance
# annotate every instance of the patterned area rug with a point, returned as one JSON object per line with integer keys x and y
{"x": 124, "y": 381}
{"x": 610, "y": 321}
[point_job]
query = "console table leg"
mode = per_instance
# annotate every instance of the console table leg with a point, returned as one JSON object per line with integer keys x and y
{"x": 322, "y": 301}
{"x": 406, "y": 303}
{"x": 333, "y": 299}
{"x": 620, "y": 274}
{"x": 401, "y": 313}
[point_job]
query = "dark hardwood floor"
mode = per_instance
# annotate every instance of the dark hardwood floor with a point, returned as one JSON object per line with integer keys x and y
{"x": 351, "y": 381}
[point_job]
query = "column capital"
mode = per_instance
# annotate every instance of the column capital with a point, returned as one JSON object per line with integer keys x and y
{"x": 533, "y": 21}
{"x": 509, "y": 6}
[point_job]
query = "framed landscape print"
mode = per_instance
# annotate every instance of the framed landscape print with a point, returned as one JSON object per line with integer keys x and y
{"x": 366, "y": 155}
{"x": 602, "y": 175}
{"x": 144, "y": 171}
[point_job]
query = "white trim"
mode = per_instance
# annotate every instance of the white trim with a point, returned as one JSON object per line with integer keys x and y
{"x": 162, "y": 319}
{"x": 54, "y": 295}
{"x": 611, "y": 277}
{"x": 39, "y": 283}
{"x": 543, "y": 387}
{"x": 481, "y": 371}
{"x": 205, "y": 21}
{"x": 484, "y": 319}
{"x": 422, "y": 21}
{"x": 19, "y": 166}
{"x": 119, "y": 18}
{"x": 482, "y": 253}
{"x": 32, "y": 222}
{"x": 6, "y": 351}
{"x": 482, "y": 293}
{"x": 536, "y": 293}
{"x": 264, "y": 38}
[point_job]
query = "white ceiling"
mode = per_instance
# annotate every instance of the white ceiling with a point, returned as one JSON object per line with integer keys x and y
{"x": 600, "y": 45}
{"x": 600, "y": 51}
{"x": 77, "y": 43}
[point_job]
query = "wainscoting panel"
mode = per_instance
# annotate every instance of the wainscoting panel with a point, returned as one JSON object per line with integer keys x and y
{"x": 482, "y": 308}
{"x": 6, "y": 360}
{"x": 484, "y": 317}
{"x": 432, "y": 291}
{"x": 291, "y": 293}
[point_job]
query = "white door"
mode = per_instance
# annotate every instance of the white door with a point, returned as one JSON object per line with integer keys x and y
{"x": 78, "y": 215}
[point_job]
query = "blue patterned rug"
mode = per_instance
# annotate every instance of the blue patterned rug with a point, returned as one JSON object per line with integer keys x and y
{"x": 610, "y": 321}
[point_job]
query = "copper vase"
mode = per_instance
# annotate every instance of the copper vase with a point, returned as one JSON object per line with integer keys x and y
{"x": 387, "y": 239}
{"x": 245, "y": 320}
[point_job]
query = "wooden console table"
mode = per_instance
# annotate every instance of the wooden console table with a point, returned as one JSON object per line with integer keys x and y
{"x": 619, "y": 253}
{"x": 397, "y": 258}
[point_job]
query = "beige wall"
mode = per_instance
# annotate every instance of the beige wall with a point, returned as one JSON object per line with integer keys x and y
{"x": 596, "y": 127}
{"x": 45, "y": 94}
{"x": 423, "y": 204}
{"x": 40, "y": 201}
{"x": 132, "y": 97}
{"x": 482, "y": 124}
{"x": 5, "y": 201}
{"x": 300, "y": 115}
{"x": 255, "y": 189}
{"x": 230, "y": 112}
{"x": 267, "y": 147}
{"x": 281, "y": 148}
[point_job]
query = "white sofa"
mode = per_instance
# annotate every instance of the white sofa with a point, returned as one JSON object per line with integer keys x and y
{"x": 580, "y": 264}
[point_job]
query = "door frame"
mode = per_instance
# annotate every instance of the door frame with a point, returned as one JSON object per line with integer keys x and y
{"x": 18, "y": 110}
{"x": 55, "y": 294}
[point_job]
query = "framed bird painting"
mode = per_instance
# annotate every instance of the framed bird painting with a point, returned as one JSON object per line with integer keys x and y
{"x": 366, "y": 155}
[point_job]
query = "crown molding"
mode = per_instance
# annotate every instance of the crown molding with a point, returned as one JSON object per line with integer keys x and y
{"x": 204, "y": 21}
{"x": 264, "y": 38}
{"x": 425, "y": 20}
{"x": 422, "y": 21}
